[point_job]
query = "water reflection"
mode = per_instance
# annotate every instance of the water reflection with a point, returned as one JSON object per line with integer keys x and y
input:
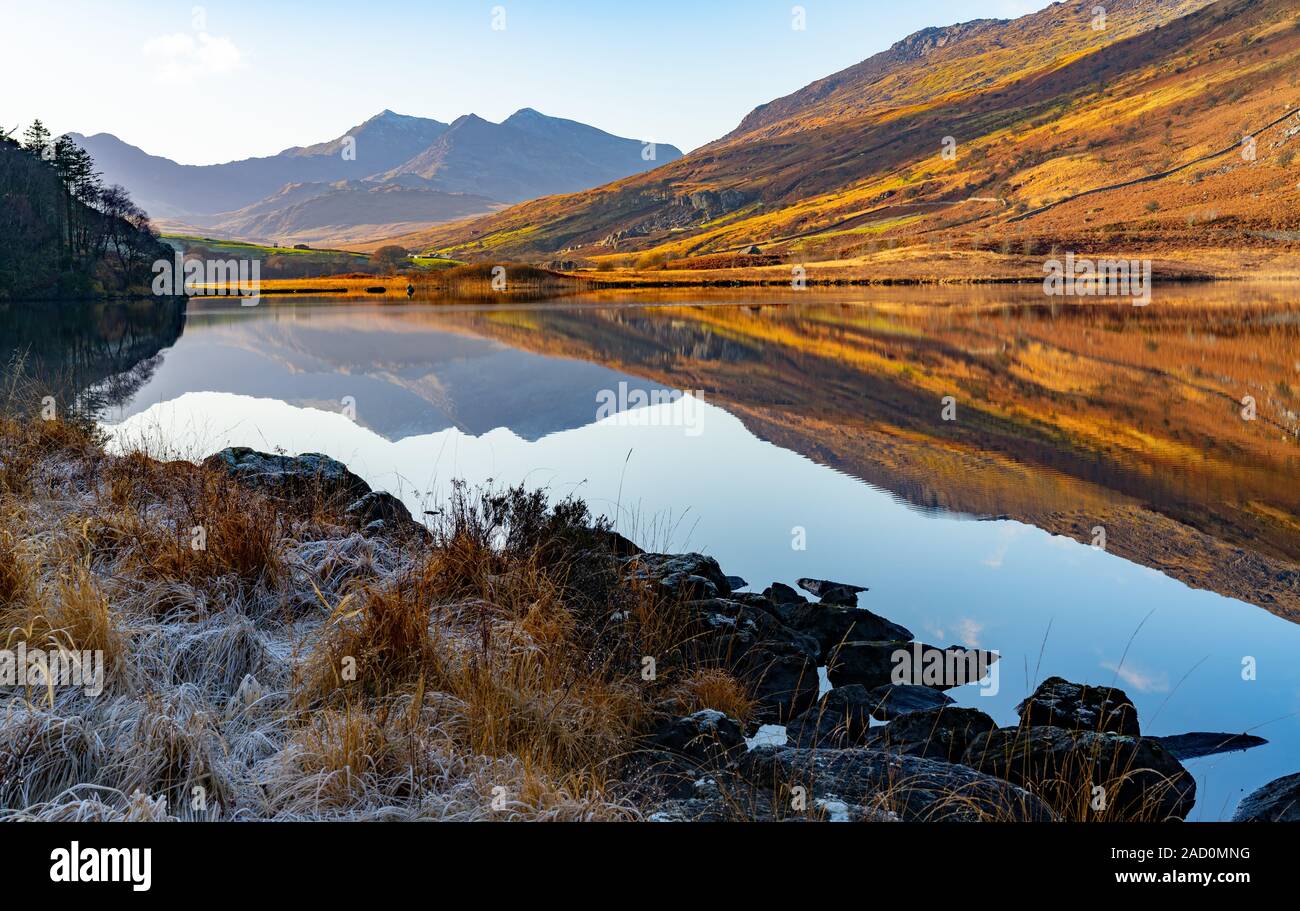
{"x": 1069, "y": 419}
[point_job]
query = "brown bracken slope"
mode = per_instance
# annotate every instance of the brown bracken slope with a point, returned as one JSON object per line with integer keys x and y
{"x": 980, "y": 136}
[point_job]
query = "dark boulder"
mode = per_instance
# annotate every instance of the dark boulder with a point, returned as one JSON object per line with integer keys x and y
{"x": 782, "y": 678}
{"x": 707, "y": 737}
{"x": 941, "y": 733}
{"x": 1277, "y": 801}
{"x": 780, "y": 593}
{"x": 837, "y": 593}
{"x": 1141, "y": 780}
{"x": 890, "y": 702}
{"x": 616, "y": 544}
{"x": 879, "y": 663}
{"x": 685, "y": 576}
{"x": 869, "y": 663}
{"x": 383, "y": 512}
{"x": 839, "y": 719}
{"x": 680, "y": 752}
{"x": 1078, "y": 707}
{"x": 726, "y": 800}
{"x": 726, "y": 628}
{"x": 777, "y": 664}
{"x": 916, "y": 789}
{"x": 1195, "y": 745}
{"x": 736, "y": 583}
{"x": 291, "y": 477}
{"x": 831, "y": 625}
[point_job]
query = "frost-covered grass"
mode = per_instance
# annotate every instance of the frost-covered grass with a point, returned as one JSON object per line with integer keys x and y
{"x": 293, "y": 669}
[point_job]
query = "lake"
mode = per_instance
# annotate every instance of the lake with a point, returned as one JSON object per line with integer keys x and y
{"x": 1097, "y": 491}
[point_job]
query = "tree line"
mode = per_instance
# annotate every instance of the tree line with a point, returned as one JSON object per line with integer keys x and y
{"x": 63, "y": 232}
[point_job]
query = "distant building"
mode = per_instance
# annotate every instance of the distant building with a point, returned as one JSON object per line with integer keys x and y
{"x": 301, "y": 247}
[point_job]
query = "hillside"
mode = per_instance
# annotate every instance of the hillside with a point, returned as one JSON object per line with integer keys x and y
{"x": 323, "y": 213}
{"x": 1033, "y": 112}
{"x": 66, "y": 235}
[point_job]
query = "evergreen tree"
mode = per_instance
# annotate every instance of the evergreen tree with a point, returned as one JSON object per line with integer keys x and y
{"x": 37, "y": 138}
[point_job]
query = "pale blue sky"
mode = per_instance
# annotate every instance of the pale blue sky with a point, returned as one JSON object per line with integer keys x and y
{"x": 232, "y": 78}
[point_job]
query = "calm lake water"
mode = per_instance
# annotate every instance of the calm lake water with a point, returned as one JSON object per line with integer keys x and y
{"x": 812, "y": 440}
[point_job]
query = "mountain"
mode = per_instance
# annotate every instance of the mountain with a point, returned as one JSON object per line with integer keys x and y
{"x": 421, "y": 171}
{"x": 985, "y": 132}
{"x": 528, "y": 155}
{"x": 167, "y": 189}
{"x": 323, "y": 213}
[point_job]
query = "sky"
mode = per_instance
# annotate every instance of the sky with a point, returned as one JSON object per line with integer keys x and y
{"x": 232, "y": 79}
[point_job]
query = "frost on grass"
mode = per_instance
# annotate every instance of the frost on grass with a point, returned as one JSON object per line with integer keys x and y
{"x": 296, "y": 669}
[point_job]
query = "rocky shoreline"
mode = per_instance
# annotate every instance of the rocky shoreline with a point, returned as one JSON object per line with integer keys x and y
{"x": 885, "y": 742}
{"x": 281, "y": 642}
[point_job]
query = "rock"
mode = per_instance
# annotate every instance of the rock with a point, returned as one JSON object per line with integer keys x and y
{"x": 869, "y": 663}
{"x": 382, "y": 508}
{"x": 685, "y": 576}
{"x": 780, "y": 593}
{"x": 730, "y": 627}
{"x": 291, "y": 476}
{"x": 881, "y": 662}
{"x": 1277, "y": 801}
{"x": 941, "y": 733}
{"x": 838, "y": 593}
{"x": 680, "y": 752}
{"x": 710, "y": 809}
{"x": 617, "y": 544}
{"x": 890, "y": 702}
{"x": 831, "y": 625}
{"x": 711, "y": 805}
{"x": 1078, "y": 707}
{"x": 1142, "y": 780}
{"x": 735, "y": 583}
{"x": 1195, "y": 745}
{"x": 706, "y": 738}
{"x": 839, "y": 719}
{"x": 778, "y": 664}
{"x": 782, "y": 678}
{"x": 916, "y": 789}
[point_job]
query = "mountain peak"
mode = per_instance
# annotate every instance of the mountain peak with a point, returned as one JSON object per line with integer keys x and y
{"x": 470, "y": 120}
{"x": 922, "y": 43}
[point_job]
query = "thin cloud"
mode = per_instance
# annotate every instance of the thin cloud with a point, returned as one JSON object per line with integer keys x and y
{"x": 182, "y": 57}
{"x": 1138, "y": 680}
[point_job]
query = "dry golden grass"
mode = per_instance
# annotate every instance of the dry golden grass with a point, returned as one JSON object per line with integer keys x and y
{"x": 713, "y": 688}
{"x": 295, "y": 670}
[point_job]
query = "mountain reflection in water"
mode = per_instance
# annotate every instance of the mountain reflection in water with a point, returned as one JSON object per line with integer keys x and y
{"x": 1070, "y": 418}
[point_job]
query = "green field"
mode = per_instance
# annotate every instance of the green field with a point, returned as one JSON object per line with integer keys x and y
{"x": 240, "y": 248}
{"x": 345, "y": 260}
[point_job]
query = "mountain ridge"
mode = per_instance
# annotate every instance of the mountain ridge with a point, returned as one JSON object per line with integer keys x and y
{"x": 948, "y": 135}
{"x": 469, "y": 160}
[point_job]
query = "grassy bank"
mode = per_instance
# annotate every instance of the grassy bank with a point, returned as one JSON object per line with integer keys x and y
{"x": 275, "y": 653}
{"x": 901, "y": 267}
{"x": 293, "y": 669}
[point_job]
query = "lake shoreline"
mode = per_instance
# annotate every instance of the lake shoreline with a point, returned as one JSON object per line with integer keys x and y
{"x": 512, "y": 646}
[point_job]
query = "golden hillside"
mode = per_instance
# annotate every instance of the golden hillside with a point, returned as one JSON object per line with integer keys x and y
{"x": 979, "y": 137}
